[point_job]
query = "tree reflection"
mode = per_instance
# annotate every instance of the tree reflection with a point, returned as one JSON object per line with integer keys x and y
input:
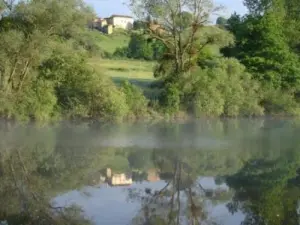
{"x": 24, "y": 186}
{"x": 37, "y": 164}
{"x": 268, "y": 191}
{"x": 182, "y": 200}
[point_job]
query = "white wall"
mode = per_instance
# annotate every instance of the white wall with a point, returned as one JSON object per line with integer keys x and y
{"x": 121, "y": 22}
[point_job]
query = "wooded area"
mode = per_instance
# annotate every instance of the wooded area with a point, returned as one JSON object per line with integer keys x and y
{"x": 246, "y": 65}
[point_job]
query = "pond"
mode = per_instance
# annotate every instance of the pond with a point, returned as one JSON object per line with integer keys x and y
{"x": 230, "y": 172}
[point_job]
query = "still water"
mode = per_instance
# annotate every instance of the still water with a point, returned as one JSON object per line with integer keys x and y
{"x": 225, "y": 172}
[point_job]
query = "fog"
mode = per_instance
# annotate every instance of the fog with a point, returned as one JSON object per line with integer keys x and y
{"x": 198, "y": 134}
{"x": 40, "y": 165}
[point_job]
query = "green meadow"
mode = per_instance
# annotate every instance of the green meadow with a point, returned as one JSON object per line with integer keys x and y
{"x": 137, "y": 72}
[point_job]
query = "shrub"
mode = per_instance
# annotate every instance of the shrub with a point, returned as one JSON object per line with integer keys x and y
{"x": 278, "y": 103}
{"x": 170, "y": 99}
{"x": 139, "y": 48}
{"x": 105, "y": 101}
{"x": 224, "y": 88}
{"x": 135, "y": 99}
{"x": 80, "y": 92}
{"x": 121, "y": 52}
{"x": 36, "y": 102}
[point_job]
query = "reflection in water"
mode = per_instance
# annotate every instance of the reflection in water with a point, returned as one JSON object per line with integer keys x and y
{"x": 182, "y": 199}
{"x": 205, "y": 172}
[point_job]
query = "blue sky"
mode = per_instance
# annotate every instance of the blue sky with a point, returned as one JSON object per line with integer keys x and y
{"x": 105, "y": 8}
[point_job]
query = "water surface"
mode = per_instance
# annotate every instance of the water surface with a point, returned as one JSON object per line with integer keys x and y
{"x": 227, "y": 172}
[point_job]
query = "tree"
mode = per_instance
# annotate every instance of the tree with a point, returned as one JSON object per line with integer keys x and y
{"x": 139, "y": 48}
{"x": 177, "y": 23}
{"x": 139, "y": 24}
{"x": 30, "y": 32}
{"x": 221, "y": 21}
{"x": 258, "y": 7}
{"x": 289, "y": 9}
{"x": 263, "y": 47}
{"x": 43, "y": 68}
{"x": 6, "y": 4}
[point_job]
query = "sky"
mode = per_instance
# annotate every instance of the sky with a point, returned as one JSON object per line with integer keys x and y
{"x": 104, "y": 8}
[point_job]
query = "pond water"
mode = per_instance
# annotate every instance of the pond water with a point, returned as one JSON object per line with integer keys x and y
{"x": 226, "y": 172}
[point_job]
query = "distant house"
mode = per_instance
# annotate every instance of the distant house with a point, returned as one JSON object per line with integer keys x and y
{"x": 121, "y": 21}
{"x": 106, "y": 25}
{"x": 98, "y": 23}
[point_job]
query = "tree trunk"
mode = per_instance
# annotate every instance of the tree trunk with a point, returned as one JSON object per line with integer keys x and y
{"x": 11, "y": 76}
{"x": 23, "y": 76}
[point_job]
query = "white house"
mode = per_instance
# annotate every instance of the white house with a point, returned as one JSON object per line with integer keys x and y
{"x": 120, "y": 21}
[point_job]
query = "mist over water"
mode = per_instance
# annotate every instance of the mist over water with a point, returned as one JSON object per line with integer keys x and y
{"x": 224, "y": 168}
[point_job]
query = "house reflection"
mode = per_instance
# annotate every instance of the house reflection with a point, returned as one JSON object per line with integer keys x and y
{"x": 118, "y": 179}
{"x": 153, "y": 175}
{"x": 108, "y": 176}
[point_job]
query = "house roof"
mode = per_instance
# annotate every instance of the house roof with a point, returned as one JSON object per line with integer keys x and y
{"x": 124, "y": 16}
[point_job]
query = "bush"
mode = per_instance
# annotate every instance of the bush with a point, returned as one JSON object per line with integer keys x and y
{"x": 277, "y": 103}
{"x": 135, "y": 99}
{"x": 121, "y": 52}
{"x": 105, "y": 101}
{"x": 170, "y": 99}
{"x": 80, "y": 92}
{"x": 36, "y": 102}
{"x": 224, "y": 89}
{"x": 107, "y": 55}
{"x": 89, "y": 41}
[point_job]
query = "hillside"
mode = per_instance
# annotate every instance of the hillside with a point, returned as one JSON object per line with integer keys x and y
{"x": 137, "y": 72}
{"x": 109, "y": 43}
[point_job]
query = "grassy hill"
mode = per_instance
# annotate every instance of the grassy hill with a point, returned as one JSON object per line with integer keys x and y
{"x": 109, "y": 43}
{"x": 137, "y": 72}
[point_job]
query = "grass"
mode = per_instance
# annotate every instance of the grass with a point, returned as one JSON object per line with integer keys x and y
{"x": 109, "y": 43}
{"x": 135, "y": 69}
{"x": 139, "y": 73}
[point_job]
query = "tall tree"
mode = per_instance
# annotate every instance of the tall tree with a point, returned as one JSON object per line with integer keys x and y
{"x": 257, "y": 7}
{"x": 177, "y": 23}
{"x": 263, "y": 46}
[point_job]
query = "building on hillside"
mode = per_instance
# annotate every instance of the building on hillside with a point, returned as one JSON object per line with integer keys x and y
{"x": 108, "y": 29}
{"x": 98, "y": 23}
{"x": 121, "y": 21}
{"x": 106, "y": 25}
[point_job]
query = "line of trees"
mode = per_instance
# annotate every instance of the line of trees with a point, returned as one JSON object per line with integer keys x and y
{"x": 244, "y": 66}
{"x": 44, "y": 71}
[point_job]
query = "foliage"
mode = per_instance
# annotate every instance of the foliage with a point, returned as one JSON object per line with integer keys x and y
{"x": 175, "y": 23}
{"x": 269, "y": 59}
{"x": 140, "y": 47}
{"x": 135, "y": 99}
{"x": 266, "y": 45}
{"x": 221, "y": 21}
{"x": 121, "y": 52}
{"x": 224, "y": 88}
{"x": 139, "y": 25}
{"x": 44, "y": 71}
{"x": 170, "y": 99}
{"x": 244, "y": 66}
{"x": 280, "y": 104}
